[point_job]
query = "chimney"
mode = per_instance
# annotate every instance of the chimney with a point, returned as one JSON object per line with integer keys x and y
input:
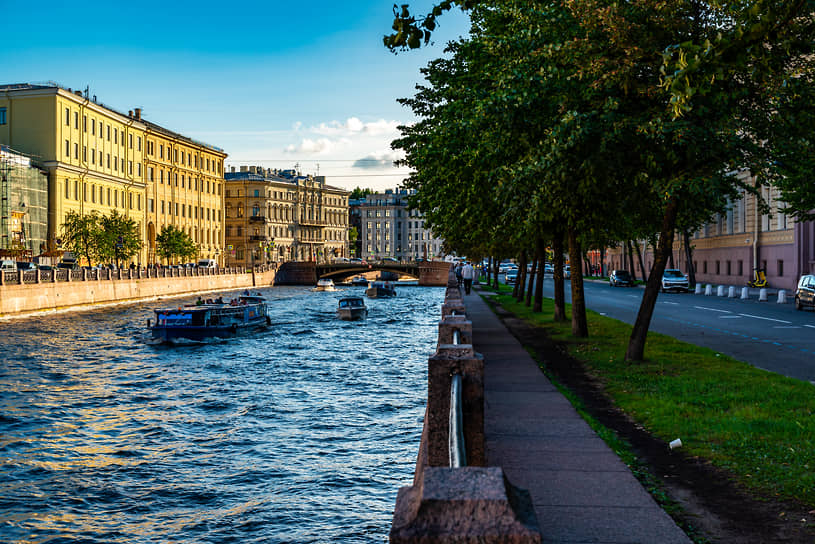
{"x": 78, "y": 93}
{"x": 130, "y": 113}
{"x": 138, "y": 113}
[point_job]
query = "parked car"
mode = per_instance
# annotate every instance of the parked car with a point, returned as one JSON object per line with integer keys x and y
{"x": 805, "y": 292}
{"x": 8, "y": 266}
{"x": 207, "y": 263}
{"x": 674, "y": 280}
{"x": 511, "y": 276}
{"x": 548, "y": 269}
{"x": 620, "y": 277}
{"x": 567, "y": 272}
{"x": 25, "y": 265}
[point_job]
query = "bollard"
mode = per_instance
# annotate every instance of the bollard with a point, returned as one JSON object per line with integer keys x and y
{"x": 698, "y": 289}
{"x": 720, "y": 291}
{"x": 762, "y": 295}
{"x": 745, "y": 293}
{"x": 782, "y": 296}
{"x": 708, "y": 290}
{"x": 731, "y": 292}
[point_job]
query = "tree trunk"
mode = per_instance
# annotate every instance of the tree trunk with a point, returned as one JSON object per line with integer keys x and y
{"x": 642, "y": 264}
{"x": 517, "y": 291}
{"x": 495, "y": 273}
{"x": 603, "y": 261}
{"x": 671, "y": 258}
{"x": 636, "y": 344}
{"x": 689, "y": 256}
{"x": 580, "y": 327}
{"x": 538, "y": 306}
{"x": 557, "y": 277}
{"x": 631, "y": 258}
{"x": 531, "y": 286}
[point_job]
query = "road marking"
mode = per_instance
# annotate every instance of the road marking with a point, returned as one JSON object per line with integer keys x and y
{"x": 785, "y": 327}
{"x": 767, "y": 318}
{"x": 713, "y": 310}
{"x": 810, "y": 326}
{"x": 729, "y": 317}
{"x": 673, "y": 303}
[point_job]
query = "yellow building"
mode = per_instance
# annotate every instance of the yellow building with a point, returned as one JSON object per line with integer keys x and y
{"x": 184, "y": 188}
{"x": 97, "y": 159}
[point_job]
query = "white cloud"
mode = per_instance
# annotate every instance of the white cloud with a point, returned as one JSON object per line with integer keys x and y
{"x": 354, "y": 126}
{"x": 319, "y": 146}
{"x": 375, "y": 161}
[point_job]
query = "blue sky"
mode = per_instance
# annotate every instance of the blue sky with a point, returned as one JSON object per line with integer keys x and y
{"x": 273, "y": 83}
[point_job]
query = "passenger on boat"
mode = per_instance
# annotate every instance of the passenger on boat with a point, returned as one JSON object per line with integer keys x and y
{"x": 199, "y": 302}
{"x": 219, "y": 300}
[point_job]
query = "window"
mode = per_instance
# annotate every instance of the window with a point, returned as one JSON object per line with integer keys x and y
{"x": 67, "y": 117}
{"x": 107, "y": 157}
{"x": 138, "y": 143}
{"x": 149, "y": 173}
{"x": 138, "y": 169}
{"x": 115, "y": 163}
{"x": 741, "y": 268}
{"x": 161, "y": 151}
{"x": 76, "y": 120}
{"x": 67, "y": 149}
{"x": 93, "y": 127}
{"x": 67, "y": 189}
{"x": 130, "y": 141}
{"x": 115, "y": 135}
{"x": 130, "y": 167}
{"x": 3, "y": 119}
{"x": 108, "y": 132}
{"x": 76, "y": 151}
{"x": 150, "y": 205}
{"x": 780, "y": 265}
{"x": 728, "y": 268}
{"x": 162, "y": 206}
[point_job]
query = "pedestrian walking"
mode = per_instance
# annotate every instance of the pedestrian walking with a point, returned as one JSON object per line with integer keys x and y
{"x": 467, "y": 276}
{"x": 457, "y": 271}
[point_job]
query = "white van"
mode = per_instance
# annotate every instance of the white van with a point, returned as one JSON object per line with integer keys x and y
{"x": 207, "y": 263}
{"x": 8, "y": 265}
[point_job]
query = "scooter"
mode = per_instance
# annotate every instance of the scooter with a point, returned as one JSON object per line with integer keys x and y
{"x": 759, "y": 278}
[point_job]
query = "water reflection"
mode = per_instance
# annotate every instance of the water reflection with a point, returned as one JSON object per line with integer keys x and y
{"x": 302, "y": 433}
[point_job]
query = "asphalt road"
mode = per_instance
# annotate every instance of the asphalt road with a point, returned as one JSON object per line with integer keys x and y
{"x": 768, "y": 335}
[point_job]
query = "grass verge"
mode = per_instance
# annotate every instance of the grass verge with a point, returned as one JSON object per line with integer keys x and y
{"x": 755, "y": 424}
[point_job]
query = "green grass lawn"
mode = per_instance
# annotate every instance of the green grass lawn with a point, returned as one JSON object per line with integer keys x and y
{"x": 755, "y": 424}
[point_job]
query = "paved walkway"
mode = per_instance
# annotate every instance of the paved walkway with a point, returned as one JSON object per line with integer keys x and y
{"x": 581, "y": 490}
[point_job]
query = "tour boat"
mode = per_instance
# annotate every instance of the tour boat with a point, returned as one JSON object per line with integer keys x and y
{"x": 380, "y": 289}
{"x": 359, "y": 280}
{"x": 324, "y": 285}
{"x": 352, "y": 308}
{"x": 210, "y": 320}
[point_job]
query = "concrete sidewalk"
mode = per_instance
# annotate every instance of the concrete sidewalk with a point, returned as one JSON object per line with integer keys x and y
{"x": 581, "y": 490}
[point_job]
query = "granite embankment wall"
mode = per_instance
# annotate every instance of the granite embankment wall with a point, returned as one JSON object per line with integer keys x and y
{"x": 449, "y": 503}
{"x": 32, "y": 292}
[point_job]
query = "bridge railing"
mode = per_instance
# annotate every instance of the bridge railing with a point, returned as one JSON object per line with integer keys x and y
{"x": 106, "y": 274}
{"x": 455, "y": 496}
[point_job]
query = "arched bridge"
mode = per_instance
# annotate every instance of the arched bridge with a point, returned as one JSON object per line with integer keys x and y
{"x": 430, "y": 273}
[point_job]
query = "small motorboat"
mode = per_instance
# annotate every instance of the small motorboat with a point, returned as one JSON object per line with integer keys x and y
{"x": 380, "y": 289}
{"x": 352, "y": 308}
{"x": 359, "y": 281}
{"x": 210, "y": 320}
{"x": 324, "y": 285}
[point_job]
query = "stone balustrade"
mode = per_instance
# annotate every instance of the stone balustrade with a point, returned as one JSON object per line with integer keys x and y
{"x": 475, "y": 503}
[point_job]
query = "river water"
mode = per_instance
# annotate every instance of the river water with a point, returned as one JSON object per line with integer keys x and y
{"x": 302, "y": 433}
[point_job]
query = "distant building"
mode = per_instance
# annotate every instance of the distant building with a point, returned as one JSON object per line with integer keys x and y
{"x": 388, "y": 228}
{"x": 23, "y": 206}
{"x": 277, "y": 215}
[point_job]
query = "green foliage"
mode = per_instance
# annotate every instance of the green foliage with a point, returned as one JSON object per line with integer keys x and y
{"x": 120, "y": 238}
{"x": 81, "y": 235}
{"x": 172, "y": 243}
{"x": 359, "y": 193}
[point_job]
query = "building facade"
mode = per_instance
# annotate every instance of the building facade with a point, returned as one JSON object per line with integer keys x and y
{"x": 389, "y": 229}
{"x": 23, "y": 206}
{"x": 101, "y": 160}
{"x": 277, "y": 215}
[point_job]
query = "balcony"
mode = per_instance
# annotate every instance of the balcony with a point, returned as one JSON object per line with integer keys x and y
{"x": 257, "y": 238}
{"x": 257, "y": 218}
{"x": 312, "y": 222}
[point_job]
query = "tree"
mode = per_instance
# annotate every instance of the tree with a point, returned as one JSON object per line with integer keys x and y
{"x": 172, "y": 242}
{"x": 120, "y": 238}
{"x": 81, "y": 234}
{"x": 359, "y": 193}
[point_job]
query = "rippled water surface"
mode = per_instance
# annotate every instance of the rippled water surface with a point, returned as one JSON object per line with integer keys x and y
{"x": 302, "y": 433}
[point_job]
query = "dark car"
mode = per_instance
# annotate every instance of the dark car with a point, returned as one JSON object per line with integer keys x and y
{"x": 805, "y": 292}
{"x": 25, "y": 265}
{"x": 620, "y": 277}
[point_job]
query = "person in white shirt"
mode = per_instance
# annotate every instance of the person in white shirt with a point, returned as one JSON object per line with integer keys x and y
{"x": 467, "y": 276}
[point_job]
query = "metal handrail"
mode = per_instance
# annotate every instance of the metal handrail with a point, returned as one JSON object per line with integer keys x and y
{"x": 458, "y": 454}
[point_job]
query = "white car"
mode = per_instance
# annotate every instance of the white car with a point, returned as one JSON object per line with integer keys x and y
{"x": 674, "y": 280}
